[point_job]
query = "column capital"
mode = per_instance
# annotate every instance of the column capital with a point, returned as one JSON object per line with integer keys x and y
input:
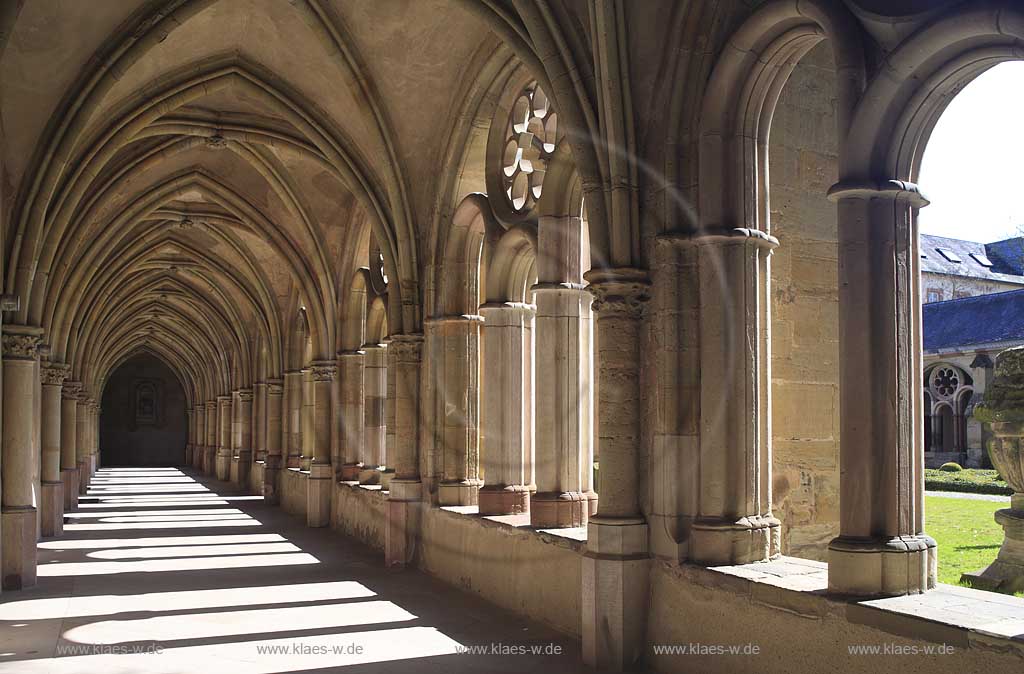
{"x": 407, "y": 348}
{"x": 874, "y": 189}
{"x": 711, "y": 237}
{"x": 619, "y": 292}
{"x": 21, "y": 342}
{"x": 224, "y": 399}
{"x": 324, "y": 370}
{"x": 244, "y": 394}
{"x": 53, "y": 374}
{"x": 72, "y": 389}
{"x": 275, "y": 387}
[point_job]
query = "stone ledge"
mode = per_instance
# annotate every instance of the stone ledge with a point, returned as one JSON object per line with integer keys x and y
{"x": 374, "y": 490}
{"x": 574, "y": 538}
{"x": 949, "y": 614}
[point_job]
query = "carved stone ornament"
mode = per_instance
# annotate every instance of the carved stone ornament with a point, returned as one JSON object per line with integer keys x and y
{"x": 20, "y": 346}
{"x": 245, "y": 395}
{"x": 619, "y": 292}
{"x": 325, "y": 371}
{"x": 53, "y": 374}
{"x": 71, "y": 390}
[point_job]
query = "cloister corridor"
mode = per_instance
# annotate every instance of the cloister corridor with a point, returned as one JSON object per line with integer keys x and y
{"x": 164, "y": 570}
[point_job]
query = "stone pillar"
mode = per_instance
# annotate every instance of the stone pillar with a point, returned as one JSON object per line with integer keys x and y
{"x": 1003, "y": 408}
{"x": 375, "y": 375}
{"x": 293, "y": 429}
{"x": 223, "y": 460}
{"x": 564, "y": 407}
{"x": 734, "y": 523}
{"x": 321, "y": 474}
{"x": 275, "y": 392}
{"x": 241, "y": 436}
{"x": 457, "y": 406}
{"x": 406, "y": 490}
{"x": 615, "y": 565}
{"x": 200, "y": 444}
{"x": 191, "y": 434}
{"x": 82, "y": 441}
{"x": 350, "y": 408}
{"x": 19, "y": 524}
{"x": 259, "y": 422}
{"x": 52, "y": 376}
{"x": 68, "y": 442}
{"x": 307, "y": 419}
{"x": 94, "y": 436}
{"x": 882, "y": 548}
{"x": 209, "y": 455}
{"x": 506, "y": 414}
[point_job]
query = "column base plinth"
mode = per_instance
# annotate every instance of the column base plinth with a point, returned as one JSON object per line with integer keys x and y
{"x": 401, "y": 523}
{"x": 513, "y": 499}
{"x": 271, "y": 469}
{"x": 615, "y": 593}
{"x": 189, "y": 451}
{"x": 52, "y": 516}
{"x": 459, "y": 493}
{"x": 716, "y": 542}
{"x": 223, "y": 464}
{"x": 240, "y": 469}
{"x": 19, "y": 547}
{"x": 1006, "y": 573}
{"x": 559, "y": 510}
{"x": 882, "y": 567}
{"x": 83, "y": 477}
{"x": 318, "y": 494}
{"x": 69, "y": 477}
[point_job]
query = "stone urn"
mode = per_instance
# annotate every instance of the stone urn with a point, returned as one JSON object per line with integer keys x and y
{"x": 1003, "y": 409}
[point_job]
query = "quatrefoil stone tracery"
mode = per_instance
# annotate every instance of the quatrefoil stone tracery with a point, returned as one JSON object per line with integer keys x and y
{"x": 529, "y": 143}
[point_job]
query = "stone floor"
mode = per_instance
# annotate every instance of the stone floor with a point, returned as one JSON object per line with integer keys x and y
{"x": 165, "y": 571}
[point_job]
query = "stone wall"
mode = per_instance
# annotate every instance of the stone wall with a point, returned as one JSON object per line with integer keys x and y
{"x": 952, "y": 287}
{"x": 805, "y": 308}
{"x": 293, "y": 492}
{"x": 359, "y": 513}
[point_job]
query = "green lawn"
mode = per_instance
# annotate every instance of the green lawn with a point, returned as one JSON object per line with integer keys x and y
{"x": 968, "y": 537}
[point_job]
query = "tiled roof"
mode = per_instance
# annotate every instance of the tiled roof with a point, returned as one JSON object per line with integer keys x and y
{"x": 939, "y": 255}
{"x": 983, "y": 319}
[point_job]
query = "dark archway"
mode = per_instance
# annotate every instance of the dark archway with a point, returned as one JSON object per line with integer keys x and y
{"x": 143, "y": 421}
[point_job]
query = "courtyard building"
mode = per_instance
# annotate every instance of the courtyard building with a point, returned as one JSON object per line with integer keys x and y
{"x": 595, "y": 324}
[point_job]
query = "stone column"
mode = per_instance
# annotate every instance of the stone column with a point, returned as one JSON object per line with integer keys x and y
{"x": 457, "y": 406}
{"x": 375, "y": 373}
{"x": 82, "y": 441}
{"x": 882, "y": 548}
{"x": 241, "y": 440}
{"x": 52, "y": 376}
{"x": 19, "y": 524}
{"x": 506, "y": 415}
{"x": 275, "y": 392}
{"x": 211, "y": 437}
{"x": 190, "y": 418}
{"x": 734, "y": 523}
{"x": 69, "y": 442}
{"x": 350, "y": 408}
{"x": 96, "y": 411}
{"x": 293, "y": 429}
{"x": 259, "y": 422}
{"x": 307, "y": 419}
{"x": 321, "y": 474}
{"x": 1003, "y": 408}
{"x": 564, "y": 407}
{"x": 406, "y": 490}
{"x": 615, "y": 565}
{"x": 200, "y": 444}
{"x": 223, "y": 460}
{"x": 387, "y": 459}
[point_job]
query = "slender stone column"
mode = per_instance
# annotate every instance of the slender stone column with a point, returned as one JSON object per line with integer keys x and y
{"x": 457, "y": 406}
{"x": 321, "y": 474}
{"x": 82, "y": 440}
{"x": 259, "y": 422}
{"x": 293, "y": 428}
{"x": 241, "y": 436}
{"x": 52, "y": 376}
{"x": 506, "y": 416}
{"x": 406, "y": 489}
{"x": 350, "y": 408}
{"x": 375, "y": 384}
{"x": 223, "y": 461}
{"x": 94, "y": 434}
{"x": 200, "y": 444}
{"x": 275, "y": 392}
{"x": 564, "y": 409}
{"x": 615, "y": 566}
{"x": 388, "y": 457}
{"x": 69, "y": 442}
{"x": 211, "y": 437}
{"x": 882, "y": 548}
{"x": 19, "y": 525}
{"x": 307, "y": 419}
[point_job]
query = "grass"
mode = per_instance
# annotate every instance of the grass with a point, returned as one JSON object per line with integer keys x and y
{"x": 973, "y": 480}
{"x": 967, "y": 535}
